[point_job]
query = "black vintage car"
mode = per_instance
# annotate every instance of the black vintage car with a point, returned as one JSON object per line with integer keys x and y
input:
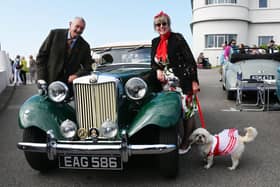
{"x": 115, "y": 113}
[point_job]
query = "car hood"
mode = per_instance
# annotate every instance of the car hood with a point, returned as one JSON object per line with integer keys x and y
{"x": 126, "y": 73}
{"x": 122, "y": 74}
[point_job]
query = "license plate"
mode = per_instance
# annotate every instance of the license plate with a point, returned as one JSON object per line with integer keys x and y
{"x": 262, "y": 77}
{"x": 111, "y": 162}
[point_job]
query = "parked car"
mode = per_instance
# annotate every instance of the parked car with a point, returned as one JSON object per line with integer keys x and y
{"x": 249, "y": 67}
{"x": 116, "y": 112}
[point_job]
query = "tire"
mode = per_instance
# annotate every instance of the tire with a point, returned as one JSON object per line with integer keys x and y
{"x": 169, "y": 162}
{"x": 231, "y": 95}
{"x": 37, "y": 161}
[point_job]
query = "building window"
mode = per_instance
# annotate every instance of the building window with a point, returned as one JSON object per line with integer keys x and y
{"x": 209, "y": 2}
{"x": 264, "y": 40}
{"x": 216, "y": 40}
{"x": 262, "y": 3}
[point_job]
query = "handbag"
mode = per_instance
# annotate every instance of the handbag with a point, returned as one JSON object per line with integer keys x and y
{"x": 18, "y": 66}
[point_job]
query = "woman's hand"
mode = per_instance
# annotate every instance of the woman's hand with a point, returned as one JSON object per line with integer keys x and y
{"x": 160, "y": 75}
{"x": 195, "y": 87}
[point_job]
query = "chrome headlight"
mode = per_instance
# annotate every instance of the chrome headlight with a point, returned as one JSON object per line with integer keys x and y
{"x": 68, "y": 129}
{"x": 136, "y": 88}
{"x": 108, "y": 129}
{"x": 57, "y": 91}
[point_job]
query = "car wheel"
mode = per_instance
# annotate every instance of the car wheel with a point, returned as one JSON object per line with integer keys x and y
{"x": 169, "y": 162}
{"x": 37, "y": 161}
{"x": 231, "y": 95}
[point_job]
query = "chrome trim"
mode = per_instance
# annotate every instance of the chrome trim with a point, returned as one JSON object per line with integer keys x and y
{"x": 54, "y": 147}
{"x": 51, "y": 88}
{"x": 129, "y": 150}
{"x": 95, "y": 103}
{"x": 51, "y": 145}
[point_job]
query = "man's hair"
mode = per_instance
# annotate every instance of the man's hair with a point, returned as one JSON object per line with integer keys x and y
{"x": 80, "y": 18}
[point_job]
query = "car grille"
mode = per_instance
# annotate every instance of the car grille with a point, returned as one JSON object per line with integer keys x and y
{"x": 95, "y": 103}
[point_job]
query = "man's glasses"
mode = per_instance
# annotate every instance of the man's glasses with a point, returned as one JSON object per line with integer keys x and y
{"x": 159, "y": 24}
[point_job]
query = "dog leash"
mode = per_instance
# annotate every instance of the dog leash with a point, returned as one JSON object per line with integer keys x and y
{"x": 200, "y": 112}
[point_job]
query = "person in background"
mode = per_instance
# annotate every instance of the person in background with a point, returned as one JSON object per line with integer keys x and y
{"x": 242, "y": 49}
{"x": 32, "y": 69}
{"x": 200, "y": 58}
{"x": 271, "y": 47}
{"x": 254, "y": 50}
{"x": 230, "y": 49}
{"x": 170, "y": 50}
{"x": 23, "y": 70}
{"x": 222, "y": 60}
{"x": 64, "y": 55}
{"x": 16, "y": 69}
{"x": 11, "y": 76}
{"x": 234, "y": 47}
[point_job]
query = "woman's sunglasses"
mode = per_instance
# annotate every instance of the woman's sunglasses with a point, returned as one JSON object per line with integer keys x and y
{"x": 159, "y": 24}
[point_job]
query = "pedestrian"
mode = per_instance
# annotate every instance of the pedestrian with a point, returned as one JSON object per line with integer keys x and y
{"x": 230, "y": 49}
{"x": 64, "y": 55}
{"x": 271, "y": 47}
{"x": 242, "y": 49}
{"x": 11, "y": 76}
{"x": 200, "y": 58}
{"x": 170, "y": 50}
{"x": 23, "y": 70}
{"x": 32, "y": 69}
{"x": 255, "y": 50}
{"x": 222, "y": 60}
{"x": 16, "y": 70}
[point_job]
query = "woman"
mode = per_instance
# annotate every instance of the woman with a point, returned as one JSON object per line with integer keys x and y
{"x": 23, "y": 70}
{"x": 171, "y": 51}
{"x": 200, "y": 58}
{"x": 32, "y": 69}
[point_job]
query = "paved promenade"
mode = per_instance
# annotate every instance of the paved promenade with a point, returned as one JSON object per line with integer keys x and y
{"x": 5, "y": 97}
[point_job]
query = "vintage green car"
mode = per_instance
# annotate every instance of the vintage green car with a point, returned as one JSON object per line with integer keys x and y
{"x": 116, "y": 112}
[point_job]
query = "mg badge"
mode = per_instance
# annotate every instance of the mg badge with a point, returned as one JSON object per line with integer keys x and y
{"x": 82, "y": 133}
{"x": 93, "y": 79}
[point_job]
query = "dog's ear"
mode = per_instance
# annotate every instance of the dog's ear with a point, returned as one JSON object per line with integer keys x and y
{"x": 192, "y": 137}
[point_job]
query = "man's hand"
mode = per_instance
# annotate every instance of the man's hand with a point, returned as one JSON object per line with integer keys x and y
{"x": 71, "y": 78}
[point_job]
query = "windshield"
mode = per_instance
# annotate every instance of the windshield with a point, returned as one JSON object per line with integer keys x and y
{"x": 138, "y": 54}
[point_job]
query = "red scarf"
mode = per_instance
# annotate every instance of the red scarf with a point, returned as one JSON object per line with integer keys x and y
{"x": 161, "y": 53}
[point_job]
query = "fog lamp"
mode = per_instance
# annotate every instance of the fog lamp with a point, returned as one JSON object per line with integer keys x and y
{"x": 68, "y": 129}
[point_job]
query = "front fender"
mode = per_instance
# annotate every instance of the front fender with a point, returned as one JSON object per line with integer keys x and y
{"x": 164, "y": 110}
{"x": 40, "y": 112}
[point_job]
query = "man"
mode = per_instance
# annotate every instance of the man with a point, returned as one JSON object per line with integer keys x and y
{"x": 271, "y": 46}
{"x": 64, "y": 55}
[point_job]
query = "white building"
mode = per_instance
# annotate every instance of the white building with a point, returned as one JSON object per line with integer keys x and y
{"x": 251, "y": 22}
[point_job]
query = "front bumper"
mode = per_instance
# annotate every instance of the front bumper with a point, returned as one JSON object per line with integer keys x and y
{"x": 53, "y": 147}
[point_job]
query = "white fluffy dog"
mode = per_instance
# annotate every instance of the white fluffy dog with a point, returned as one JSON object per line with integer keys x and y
{"x": 224, "y": 143}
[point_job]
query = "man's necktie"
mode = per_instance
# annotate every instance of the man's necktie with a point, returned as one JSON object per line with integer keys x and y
{"x": 69, "y": 45}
